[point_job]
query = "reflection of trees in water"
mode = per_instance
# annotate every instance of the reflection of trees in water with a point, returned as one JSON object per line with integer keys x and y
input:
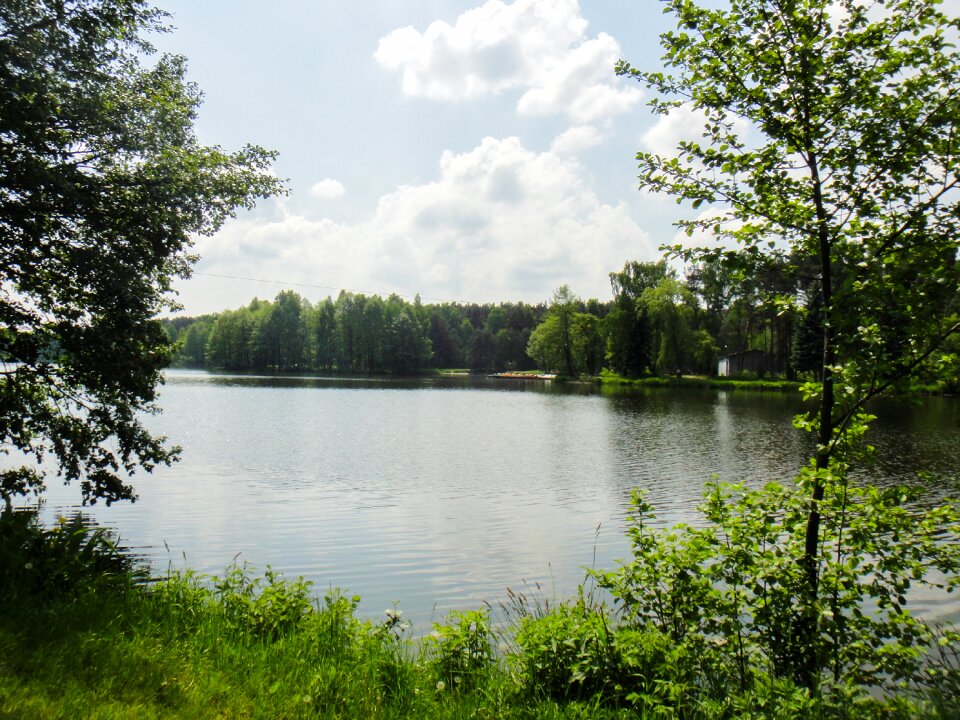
{"x": 670, "y": 443}
{"x": 917, "y": 436}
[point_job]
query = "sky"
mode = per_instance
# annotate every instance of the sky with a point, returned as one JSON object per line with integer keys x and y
{"x": 465, "y": 151}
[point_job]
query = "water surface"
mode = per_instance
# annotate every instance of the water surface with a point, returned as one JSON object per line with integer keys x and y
{"x": 440, "y": 494}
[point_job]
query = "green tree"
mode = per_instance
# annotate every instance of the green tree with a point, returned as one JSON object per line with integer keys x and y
{"x": 630, "y": 343}
{"x": 372, "y": 334}
{"x": 482, "y": 351}
{"x": 102, "y": 186}
{"x": 230, "y": 342}
{"x": 263, "y": 343}
{"x": 407, "y": 348}
{"x": 588, "y": 343}
{"x": 628, "y": 340}
{"x": 496, "y": 320}
{"x": 289, "y": 330}
{"x": 629, "y": 283}
{"x": 808, "y": 335}
{"x": 567, "y": 341}
{"x": 830, "y": 134}
{"x": 542, "y": 348}
{"x": 193, "y": 352}
{"x": 323, "y": 328}
{"x": 447, "y": 352}
{"x": 560, "y": 316}
{"x": 713, "y": 282}
{"x": 349, "y": 311}
{"x": 669, "y": 306}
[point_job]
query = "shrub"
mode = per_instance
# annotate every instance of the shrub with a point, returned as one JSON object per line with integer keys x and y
{"x": 731, "y": 592}
{"x": 44, "y": 563}
{"x": 460, "y": 650}
{"x": 267, "y": 607}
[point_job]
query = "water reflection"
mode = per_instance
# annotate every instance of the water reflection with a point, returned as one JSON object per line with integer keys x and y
{"x": 441, "y": 493}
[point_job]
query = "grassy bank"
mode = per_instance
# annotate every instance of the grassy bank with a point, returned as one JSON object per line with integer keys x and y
{"x": 84, "y": 635}
{"x": 700, "y": 381}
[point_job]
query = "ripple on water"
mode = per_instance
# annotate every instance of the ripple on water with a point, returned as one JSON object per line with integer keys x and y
{"x": 442, "y": 497}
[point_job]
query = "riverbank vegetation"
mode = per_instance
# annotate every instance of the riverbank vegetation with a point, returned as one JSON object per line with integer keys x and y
{"x": 661, "y": 323}
{"x": 84, "y": 634}
{"x": 657, "y": 323}
{"x": 700, "y": 381}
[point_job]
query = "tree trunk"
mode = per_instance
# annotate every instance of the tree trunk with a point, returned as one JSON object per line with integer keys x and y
{"x": 808, "y": 635}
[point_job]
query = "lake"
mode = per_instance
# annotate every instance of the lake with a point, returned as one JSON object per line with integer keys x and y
{"x": 441, "y": 493}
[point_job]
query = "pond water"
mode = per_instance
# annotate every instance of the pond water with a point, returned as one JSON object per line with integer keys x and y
{"x": 441, "y": 493}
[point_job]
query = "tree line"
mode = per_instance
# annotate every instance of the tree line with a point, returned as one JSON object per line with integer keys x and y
{"x": 357, "y": 333}
{"x": 659, "y": 321}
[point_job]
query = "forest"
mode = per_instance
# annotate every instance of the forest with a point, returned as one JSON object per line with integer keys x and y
{"x": 659, "y": 321}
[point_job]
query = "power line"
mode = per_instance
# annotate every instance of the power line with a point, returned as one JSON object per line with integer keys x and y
{"x": 326, "y": 287}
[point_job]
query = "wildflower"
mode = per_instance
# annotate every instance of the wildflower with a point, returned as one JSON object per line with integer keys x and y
{"x": 440, "y": 685}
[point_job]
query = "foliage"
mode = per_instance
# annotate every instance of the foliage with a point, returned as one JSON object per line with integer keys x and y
{"x": 829, "y": 144}
{"x": 854, "y": 181}
{"x": 712, "y": 311}
{"x": 568, "y": 341}
{"x": 460, "y": 649}
{"x": 103, "y": 184}
{"x": 552, "y": 342}
{"x": 943, "y": 366}
{"x": 268, "y": 607}
{"x": 241, "y": 646}
{"x": 669, "y": 306}
{"x": 572, "y": 651}
{"x": 629, "y": 335}
{"x": 728, "y": 590}
{"x": 613, "y": 380}
{"x": 68, "y": 558}
{"x": 941, "y": 674}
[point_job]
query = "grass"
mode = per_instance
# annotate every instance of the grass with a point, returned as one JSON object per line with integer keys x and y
{"x": 82, "y": 635}
{"x": 178, "y": 650}
{"x": 610, "y": 378}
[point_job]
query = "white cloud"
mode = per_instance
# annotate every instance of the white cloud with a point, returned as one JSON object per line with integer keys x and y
{"x": 499, "y": 222}
{"x": 704, "y": 237}
{"x": 579, "y": 83}
{"x": 576, "y": 139}
{"x": 538, "y": 46}
{"x": 328, "y": 189}
{"x": 683, "y": 123}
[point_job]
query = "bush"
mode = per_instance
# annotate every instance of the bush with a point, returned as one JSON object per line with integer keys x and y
{"x": 460, "y": 650}
{"x": 267, "y": 607}
{"x": 568, "y": 652}
{"x": 44, "y": 563}
{"x": 731, "y": 592}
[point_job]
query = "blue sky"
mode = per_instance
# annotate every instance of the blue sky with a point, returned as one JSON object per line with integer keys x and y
{"x": 466, "y": 151}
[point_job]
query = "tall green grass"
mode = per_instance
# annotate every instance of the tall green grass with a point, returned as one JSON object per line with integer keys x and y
{"x": 83, "y": 635}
